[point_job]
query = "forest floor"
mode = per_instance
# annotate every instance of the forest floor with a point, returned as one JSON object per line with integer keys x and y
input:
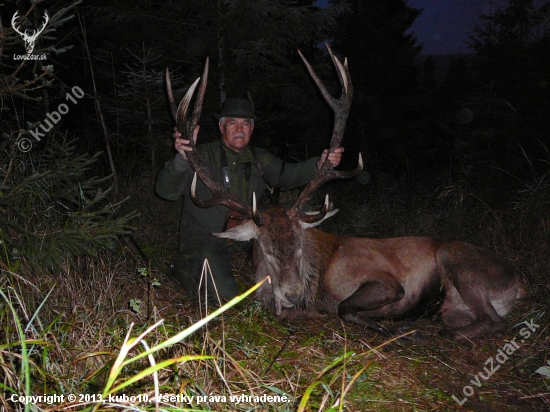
{"x": 319, "y": 364}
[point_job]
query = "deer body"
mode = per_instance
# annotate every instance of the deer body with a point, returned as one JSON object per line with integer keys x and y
{"x": 362, "y": 279}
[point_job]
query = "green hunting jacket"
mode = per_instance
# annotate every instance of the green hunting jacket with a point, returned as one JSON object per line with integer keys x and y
{"x": 174, "y": 180}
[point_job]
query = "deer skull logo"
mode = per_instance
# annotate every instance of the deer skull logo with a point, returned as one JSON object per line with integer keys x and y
{"x": 29, "y": 36}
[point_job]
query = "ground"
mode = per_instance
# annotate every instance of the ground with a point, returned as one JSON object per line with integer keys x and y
{"x": 318, "y": 364}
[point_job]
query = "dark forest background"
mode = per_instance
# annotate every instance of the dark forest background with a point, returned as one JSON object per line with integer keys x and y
{"x": 480, "y": 118}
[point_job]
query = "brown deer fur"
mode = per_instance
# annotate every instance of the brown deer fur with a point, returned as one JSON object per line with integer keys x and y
{"x": 363, "y": 279}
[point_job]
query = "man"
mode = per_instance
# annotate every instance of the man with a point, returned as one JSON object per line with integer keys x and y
{"x": 239, "y": 167}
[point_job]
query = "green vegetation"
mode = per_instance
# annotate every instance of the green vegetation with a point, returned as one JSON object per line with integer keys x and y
{"x": 75, "y": 332}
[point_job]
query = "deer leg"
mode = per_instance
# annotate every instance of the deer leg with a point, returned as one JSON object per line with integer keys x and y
{"x": 485, "y": 317}
{"x": 371, "y": 296}
{"x": 467, "y": 308}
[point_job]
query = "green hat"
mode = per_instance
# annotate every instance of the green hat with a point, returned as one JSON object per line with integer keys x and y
{"x": 241, "y": 108}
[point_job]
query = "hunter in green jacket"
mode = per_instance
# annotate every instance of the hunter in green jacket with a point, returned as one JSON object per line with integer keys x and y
{"x": 236, "y": 165}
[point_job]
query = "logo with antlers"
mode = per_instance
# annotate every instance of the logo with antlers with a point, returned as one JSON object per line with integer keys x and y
{"x": 29, "y": 36}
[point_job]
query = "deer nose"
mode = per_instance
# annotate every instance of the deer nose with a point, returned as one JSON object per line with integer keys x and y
{"x": 293, "y": 298}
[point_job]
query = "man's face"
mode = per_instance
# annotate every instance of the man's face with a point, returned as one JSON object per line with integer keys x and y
{"x": 236, "y": 132}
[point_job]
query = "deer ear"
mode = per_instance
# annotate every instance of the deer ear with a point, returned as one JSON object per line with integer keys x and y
{"x": 243, "y": 232}
{"x": 309, "y": 225}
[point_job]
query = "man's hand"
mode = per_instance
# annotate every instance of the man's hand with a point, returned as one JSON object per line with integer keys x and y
{"x": 182, "y": 145}
{"x": 333, "y": 157}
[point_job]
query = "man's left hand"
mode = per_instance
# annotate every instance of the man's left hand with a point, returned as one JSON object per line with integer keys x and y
{"x": 333, "y": 157}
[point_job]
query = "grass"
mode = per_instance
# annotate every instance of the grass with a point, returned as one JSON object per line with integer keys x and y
{"x": 75, "y": 332}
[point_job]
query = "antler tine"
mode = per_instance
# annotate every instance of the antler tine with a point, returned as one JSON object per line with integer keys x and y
{"x": 323, "y": 176}
{"x": 341, "y": 105}
{"x": 341, "y": 108}
{"x": 14, "y": 19}
{"x": 221, "y": 196}
{"x": 46, "y": 20}
{"x": 328, "y": 98}
{"x": 171, "y": 99}
{"x": 200, "y": 98}
{"x": 181, "y": 111}
{"x": 182, "y": 125}
{"x": 315, "y": 217}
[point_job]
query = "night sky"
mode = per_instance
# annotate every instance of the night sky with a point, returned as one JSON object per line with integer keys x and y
{"x": 445, "y": 25}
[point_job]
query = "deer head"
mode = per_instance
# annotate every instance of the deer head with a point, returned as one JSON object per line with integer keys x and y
{"x": 32, "y": 35}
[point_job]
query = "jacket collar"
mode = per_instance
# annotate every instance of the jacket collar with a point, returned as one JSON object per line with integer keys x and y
{"x": 237, "y": 157}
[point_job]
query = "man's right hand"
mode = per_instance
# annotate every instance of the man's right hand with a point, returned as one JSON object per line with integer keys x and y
{"x": 182, "y": 145}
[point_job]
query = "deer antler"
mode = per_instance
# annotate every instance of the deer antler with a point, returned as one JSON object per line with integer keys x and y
{"x": 13, "y": 23}
{"x": 41, "y": 29}
{"x": 221, "y": 196}
{"x": 35, "y": 33}
{"x": 341, "y": 108}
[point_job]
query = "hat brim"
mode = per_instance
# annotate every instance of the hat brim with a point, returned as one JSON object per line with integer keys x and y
{"x": 218, "y": 116}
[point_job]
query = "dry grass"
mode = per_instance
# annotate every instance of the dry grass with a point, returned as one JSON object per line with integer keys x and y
{"x": 80, "y": 329}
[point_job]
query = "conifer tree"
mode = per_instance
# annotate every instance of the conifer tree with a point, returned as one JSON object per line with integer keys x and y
{"x": 52, "y": 205}
{"x": 512, "y": 63}
{"x": 29, "y": 89}
{"x": 374, "y": 36}
{"x": 140, "y": 104}
{"x": 252, "y": 48}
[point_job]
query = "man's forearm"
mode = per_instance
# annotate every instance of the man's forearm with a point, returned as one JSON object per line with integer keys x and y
{"x": 298, "y": 174}
{"x": 171, "y": 179}
{"x": 180, "y": 163}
